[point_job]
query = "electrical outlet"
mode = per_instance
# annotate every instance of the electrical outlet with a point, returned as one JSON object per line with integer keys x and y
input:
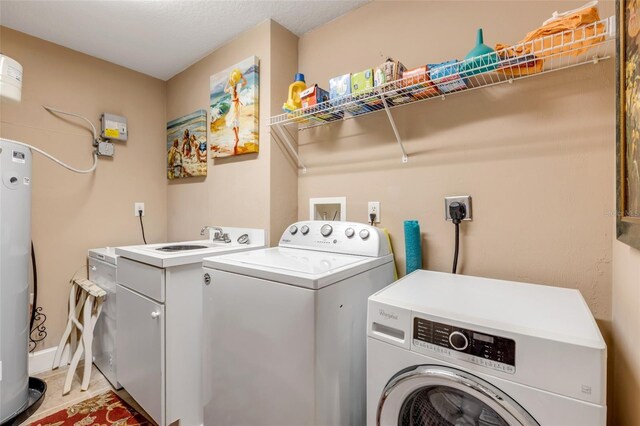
{"x": 462, "y": 199}
{"x": 373, "y": 208}
{"x": 137, "y": 207}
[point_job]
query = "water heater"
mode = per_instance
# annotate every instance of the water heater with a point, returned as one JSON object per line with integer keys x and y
{"x": 15, "y": 251}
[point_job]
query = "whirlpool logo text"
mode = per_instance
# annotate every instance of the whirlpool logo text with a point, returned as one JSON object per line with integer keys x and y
{"x": 387, "y": 315}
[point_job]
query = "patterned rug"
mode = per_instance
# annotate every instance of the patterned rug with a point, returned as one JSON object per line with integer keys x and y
{"x": 102, "y": 410}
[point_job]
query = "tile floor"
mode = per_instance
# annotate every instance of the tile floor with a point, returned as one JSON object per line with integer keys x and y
{"x": 54, "y": 400}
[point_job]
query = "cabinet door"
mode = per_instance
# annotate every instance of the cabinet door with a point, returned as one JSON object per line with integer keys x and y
{"x": 140, "y": 351}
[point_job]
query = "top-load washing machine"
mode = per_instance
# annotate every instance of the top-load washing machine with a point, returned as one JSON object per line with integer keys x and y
{"x": 285, "y": 327}
{"x": 447, "y": 349}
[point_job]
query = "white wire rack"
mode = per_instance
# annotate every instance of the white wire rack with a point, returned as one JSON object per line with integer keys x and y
{"x": 588, "y": 44}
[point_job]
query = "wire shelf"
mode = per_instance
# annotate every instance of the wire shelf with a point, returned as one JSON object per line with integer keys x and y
{"x": 584, "y": 45}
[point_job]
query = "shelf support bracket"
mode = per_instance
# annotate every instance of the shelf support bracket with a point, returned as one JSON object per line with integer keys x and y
{"x": 283, "y": 135}
{"x": 405, "y": 157}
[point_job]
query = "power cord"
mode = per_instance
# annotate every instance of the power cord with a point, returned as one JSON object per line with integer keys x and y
{"x": 142, "y": 226}
{"x": 372, "y": 219}
{"x": 458, "y": 212}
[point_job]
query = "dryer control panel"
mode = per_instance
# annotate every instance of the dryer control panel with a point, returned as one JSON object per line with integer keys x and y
{"x": 498, "y": 353}
{"x": 336, "y": 237}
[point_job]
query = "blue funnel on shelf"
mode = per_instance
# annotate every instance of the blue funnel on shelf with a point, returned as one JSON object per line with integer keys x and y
{"x": 481, "y": 59}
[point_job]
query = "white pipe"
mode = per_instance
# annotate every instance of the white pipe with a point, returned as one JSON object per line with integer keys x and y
{"x": 52, "y": 158}
{"x": 54, "y": 110}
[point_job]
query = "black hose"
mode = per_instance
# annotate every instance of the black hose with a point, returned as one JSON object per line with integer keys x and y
{"x": 35, "y": 288}
{"x": 457, "y": 247}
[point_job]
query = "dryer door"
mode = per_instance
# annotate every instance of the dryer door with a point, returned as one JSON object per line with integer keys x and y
{"x": 431, "y": 395}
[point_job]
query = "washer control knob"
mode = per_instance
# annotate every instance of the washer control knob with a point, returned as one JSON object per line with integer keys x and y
{"x": 364, "y": 234}
{"x": 293, "y": 229}
{"x": 349, "y": 232}
{"x": 458, "y": 341}
{"x": 326, "y": 230}
{"x": 304, "y": 229}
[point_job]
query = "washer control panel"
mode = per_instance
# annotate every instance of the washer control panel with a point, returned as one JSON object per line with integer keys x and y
{"x": 498, "y": 353}
{"x": 336, "y": 237}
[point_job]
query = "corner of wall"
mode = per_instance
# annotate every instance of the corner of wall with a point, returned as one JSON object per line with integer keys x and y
{"x": 283, "y": 169}
{"x": 626, "y": 334}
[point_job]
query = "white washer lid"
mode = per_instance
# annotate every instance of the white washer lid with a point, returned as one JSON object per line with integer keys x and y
{"x": 105, "y": 254}
{"x": 530, "y": 309}
{"x": 303, "y": 268}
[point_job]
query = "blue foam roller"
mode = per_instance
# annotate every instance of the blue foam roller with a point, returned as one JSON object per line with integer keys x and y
{"x": 412, "y": 245}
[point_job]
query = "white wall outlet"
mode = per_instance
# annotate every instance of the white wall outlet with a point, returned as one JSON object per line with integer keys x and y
{"x": 373, "y": 208}
{"x": 136, "y": 209}
{"x": 463, "y": 199}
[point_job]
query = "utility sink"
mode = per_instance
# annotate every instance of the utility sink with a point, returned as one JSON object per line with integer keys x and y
{"x": 181, "y": 247}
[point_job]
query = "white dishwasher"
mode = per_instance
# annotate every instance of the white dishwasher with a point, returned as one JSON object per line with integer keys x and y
{"x": 103, "y": 267}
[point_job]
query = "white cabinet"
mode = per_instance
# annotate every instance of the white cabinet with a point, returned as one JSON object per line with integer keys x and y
{"x": 159, "y": 339}
{"x": 140, "y": 349}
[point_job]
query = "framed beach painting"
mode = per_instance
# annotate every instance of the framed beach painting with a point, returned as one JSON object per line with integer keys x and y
{"x": 234, "y": 124}
{"x": 187, "y": 146}
{"x": 628, "y": 129}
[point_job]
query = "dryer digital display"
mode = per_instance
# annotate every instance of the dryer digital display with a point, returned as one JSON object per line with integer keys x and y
{"x": 490, "y": 351}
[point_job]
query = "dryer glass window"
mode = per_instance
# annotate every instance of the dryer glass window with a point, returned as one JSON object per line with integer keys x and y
{"x": 446, "y": 406}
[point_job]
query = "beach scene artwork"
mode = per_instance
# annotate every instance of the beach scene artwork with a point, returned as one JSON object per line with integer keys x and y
{"x": 187, "y": 146}
{"x": 234, "y": 109}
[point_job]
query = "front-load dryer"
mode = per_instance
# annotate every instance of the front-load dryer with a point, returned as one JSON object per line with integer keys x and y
{"x": 285, "y": 327}
{"x": 447, "y": 349}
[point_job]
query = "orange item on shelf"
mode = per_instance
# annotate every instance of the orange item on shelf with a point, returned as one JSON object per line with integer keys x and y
{"x": 558, "y": 35}
{"x": 518, "y": 66}
{"x": 418, "y": 78}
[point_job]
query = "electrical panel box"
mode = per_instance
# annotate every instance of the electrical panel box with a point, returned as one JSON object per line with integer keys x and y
{"x": 114, "y": 127}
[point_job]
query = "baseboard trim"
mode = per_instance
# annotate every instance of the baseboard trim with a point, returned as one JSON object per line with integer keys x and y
{"x": 42, "y": 361}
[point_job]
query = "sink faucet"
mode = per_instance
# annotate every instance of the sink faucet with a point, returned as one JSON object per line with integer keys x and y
{"x": 219, "y": 236}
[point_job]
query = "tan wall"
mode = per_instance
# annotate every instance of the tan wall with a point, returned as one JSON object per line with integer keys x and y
{"x": 626, "y": 334}
{"x": 540, "y": 149}
{"x": 71, "y": 212}
{"x": 534, "y": 155}
{"x": 237, "y": 190}
{"x": 284, "y": 172}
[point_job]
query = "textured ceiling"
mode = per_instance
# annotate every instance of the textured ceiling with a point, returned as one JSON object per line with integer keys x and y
{"x": 158, "y": 38}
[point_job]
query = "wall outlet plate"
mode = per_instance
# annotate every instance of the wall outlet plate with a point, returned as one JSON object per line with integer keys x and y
{"x": 463, "y": 199}
{"x": 373, "y": 207}
{"x": 137, "y": 207}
